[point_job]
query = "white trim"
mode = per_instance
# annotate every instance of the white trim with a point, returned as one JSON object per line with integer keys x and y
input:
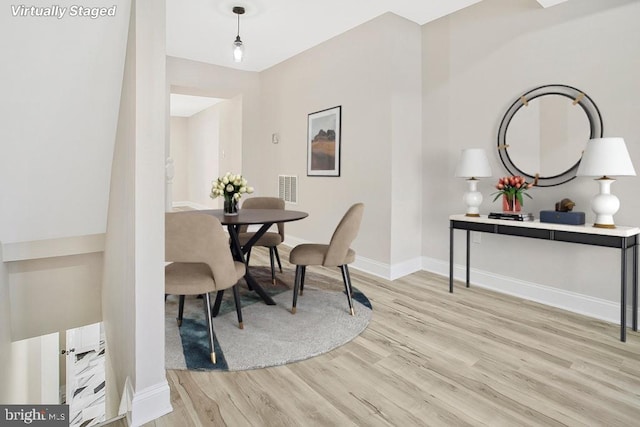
{"x": 149, "y": 404}
{"x": 191, "y": 205}
{"x": 63, "y": 246}
{"x": 370, "y": 266}
{"x": 125, "y": 400}
{"x": 597, "y": 308}
{"x": 571, "y": 301}
{"x": 405, "y": 268}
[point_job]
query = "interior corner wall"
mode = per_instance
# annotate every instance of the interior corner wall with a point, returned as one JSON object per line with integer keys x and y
{"x": 476, "y": 62}
{"x": 406, "y": 147}
{"x": 118, "y": 284}
{"x": 133, "y": 286}
{"x": 203, "y": 133}
{"x": 356, "y": 71}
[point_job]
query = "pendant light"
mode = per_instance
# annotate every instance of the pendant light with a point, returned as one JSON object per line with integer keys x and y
{"x": 238, "y": 47}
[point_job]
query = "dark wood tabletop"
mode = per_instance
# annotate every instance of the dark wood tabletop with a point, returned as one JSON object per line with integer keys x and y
{"x": 265, "y": 218}
{"x": 255, "y": 216}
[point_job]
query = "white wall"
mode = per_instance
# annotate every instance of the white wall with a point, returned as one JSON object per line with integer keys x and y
{"x": 373, "y": 72}
{"x": 178, "y": 151}
{"x": 205, "y": 146}
{"x": 60, "y": 86}
{"x": 475, "y": 64}
{"x": 406, "y": 147}
{"x": 133, "y": 291}
{"x": 241, "y": 89}
{"x": 5, "y": 332}
{"x": 202, "y": 155}
{"x": 54, "y": 294}
{"x": 34, "y": 376}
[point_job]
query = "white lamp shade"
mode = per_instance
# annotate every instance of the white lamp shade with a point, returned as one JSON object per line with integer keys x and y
{"x": 606, "y": 157}
{"x": 473, "y": 164}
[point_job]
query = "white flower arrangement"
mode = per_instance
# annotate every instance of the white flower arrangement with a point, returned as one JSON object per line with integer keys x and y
{"x": 230, "y": 186}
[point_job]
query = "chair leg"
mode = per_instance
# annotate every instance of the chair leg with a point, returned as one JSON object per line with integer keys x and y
{"x": 236, "y": 297}
{"x": 273, "y": 269}
{"x": 180, "y": 310}
{"x": 212, "y": 337}
{"x": 347, "y": 286}
{"x": 275, "y": 250}
{"x": 299, "y": 274}
{"x": 304, "y": 271}
{"x": 217, "y": 303}
{"x": 248, "y": 256}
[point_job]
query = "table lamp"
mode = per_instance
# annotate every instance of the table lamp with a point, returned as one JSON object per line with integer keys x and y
{"x": 605, "y": 157}
{"x": 473, "y": 164}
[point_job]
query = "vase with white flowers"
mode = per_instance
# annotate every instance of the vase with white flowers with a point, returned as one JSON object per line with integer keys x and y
{"x": 230, "y": 186}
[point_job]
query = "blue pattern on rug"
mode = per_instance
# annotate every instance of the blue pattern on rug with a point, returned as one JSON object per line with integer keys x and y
{"x": 195, "y": 338}
{"x": 195, "y": 345}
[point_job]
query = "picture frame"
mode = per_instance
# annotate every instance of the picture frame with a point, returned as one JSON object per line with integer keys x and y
{"x": 324, "y": 142}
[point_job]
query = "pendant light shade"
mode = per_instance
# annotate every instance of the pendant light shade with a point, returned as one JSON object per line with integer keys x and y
{"x": 238, "y": 47}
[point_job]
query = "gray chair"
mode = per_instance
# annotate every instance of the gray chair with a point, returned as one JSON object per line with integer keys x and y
{"x": 201, "y": 262}
{"x": 336, "y": 254}
{"x": 270, "y": 239}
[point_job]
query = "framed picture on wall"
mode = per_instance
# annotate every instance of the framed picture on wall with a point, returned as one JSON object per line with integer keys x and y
{"x": 323, "y": 142}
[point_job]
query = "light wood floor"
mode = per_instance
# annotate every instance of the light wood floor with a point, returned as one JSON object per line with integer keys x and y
{"x": 429, "y": 357}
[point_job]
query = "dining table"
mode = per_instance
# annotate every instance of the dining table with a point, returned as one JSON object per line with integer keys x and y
{"x": 265, "y": 218}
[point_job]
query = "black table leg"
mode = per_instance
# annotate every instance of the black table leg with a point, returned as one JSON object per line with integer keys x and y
{"x": 623, "y": 293}
{"x": 634, "y": 303}
{"x": 450, "y": 256}
{"x": 238, "y": 255}
{"x": 468, "y": 257}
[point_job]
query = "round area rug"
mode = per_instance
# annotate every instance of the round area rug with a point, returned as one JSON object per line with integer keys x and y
{"x": 272, "y": 335}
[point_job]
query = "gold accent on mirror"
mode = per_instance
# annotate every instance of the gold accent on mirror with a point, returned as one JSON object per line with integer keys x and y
{"x": 578, "y": 98}
{"x": 524, "y": 101}
{"x": 503, "y": 146}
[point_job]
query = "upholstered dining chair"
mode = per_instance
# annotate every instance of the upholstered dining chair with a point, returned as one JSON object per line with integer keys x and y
{"x": 336, "y": 254}
{"x": 270, "y": 239}
{"x": 201, "y": 263}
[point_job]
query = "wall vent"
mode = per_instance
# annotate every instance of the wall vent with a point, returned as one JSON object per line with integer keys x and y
{"x": 288, "y": 188}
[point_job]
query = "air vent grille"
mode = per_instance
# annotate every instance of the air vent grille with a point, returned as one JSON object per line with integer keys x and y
{"x": 288, "y": 188}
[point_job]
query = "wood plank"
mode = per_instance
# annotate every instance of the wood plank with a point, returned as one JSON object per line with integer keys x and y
{"x": 428, "y": 357}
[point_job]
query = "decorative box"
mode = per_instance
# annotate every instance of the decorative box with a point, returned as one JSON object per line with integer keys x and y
{"x": 569, "y": 218}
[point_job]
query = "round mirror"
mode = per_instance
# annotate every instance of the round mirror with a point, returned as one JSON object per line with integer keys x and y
{"x": 543, "y": 133}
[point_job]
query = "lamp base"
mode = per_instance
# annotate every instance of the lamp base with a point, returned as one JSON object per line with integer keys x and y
{"x": 472, "y": 198}
{"x": 605, "y": 204}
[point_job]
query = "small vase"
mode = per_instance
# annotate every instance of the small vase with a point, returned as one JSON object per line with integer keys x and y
{"x": 230, "y": 207}
{"x": 510, "y": 204}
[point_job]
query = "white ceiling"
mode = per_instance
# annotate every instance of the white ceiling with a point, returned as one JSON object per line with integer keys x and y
{"x": 275, "y": 30}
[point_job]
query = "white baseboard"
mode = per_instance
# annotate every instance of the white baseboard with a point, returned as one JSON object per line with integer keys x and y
{"x": 571, "y": 301}
{"x": 373, "y": 267}
{"x": 191, "y": 205}
{"x": 149, "y": 404}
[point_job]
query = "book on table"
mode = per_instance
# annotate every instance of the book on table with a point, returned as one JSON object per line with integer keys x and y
{"x": 512, "y": 216}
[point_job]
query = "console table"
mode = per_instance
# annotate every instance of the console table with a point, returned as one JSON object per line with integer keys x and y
{"x": 623, "y": 238}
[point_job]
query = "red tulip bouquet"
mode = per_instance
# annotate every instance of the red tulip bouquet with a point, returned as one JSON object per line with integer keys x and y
{"x": 512, "y": 189}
